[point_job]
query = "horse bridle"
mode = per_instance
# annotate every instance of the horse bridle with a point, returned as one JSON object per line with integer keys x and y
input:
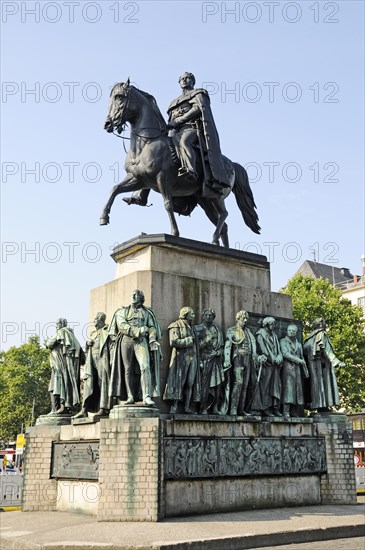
{"x": 125, "y": 105}
{"x": 146, "y": 138}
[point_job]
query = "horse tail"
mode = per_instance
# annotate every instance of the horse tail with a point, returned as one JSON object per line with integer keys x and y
{"x": 244, "y": 198}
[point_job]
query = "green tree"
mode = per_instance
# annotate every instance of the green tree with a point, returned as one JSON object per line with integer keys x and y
{"x": 314, "y": 298}
{"x": 24, "y": 378}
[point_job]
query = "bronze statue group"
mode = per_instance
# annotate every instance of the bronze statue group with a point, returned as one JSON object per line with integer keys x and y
{"x": 241, "y": 374}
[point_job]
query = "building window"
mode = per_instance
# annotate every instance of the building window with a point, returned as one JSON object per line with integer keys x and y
{"x": 361, "y": 302}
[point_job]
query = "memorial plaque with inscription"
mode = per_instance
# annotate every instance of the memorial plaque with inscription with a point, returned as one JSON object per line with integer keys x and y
{"x": 226, "y": 457}
{"x": 75, "y": 460}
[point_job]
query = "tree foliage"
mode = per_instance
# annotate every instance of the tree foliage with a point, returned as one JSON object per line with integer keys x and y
{"x": 24, "y": 377}
{"x": 314, "y": 298}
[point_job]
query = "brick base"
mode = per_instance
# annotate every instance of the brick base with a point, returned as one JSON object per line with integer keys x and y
{"x": 129, "y": 469}
{"x": 39, "y": 490}
{"x": 338, "y": 486}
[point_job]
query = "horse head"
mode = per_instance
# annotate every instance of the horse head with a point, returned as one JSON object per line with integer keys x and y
{"x": 118, "y": 107}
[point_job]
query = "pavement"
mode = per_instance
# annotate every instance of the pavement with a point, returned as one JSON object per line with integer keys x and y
{"x": 229, "y": 531}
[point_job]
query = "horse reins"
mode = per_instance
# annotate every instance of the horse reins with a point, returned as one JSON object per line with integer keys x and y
{"x": 144, "y": 138}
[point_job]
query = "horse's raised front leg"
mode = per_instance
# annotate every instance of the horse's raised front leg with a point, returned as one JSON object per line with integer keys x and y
{"x": 130, "y": 183}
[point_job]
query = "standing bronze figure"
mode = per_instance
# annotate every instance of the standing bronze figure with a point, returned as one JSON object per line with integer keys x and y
{"x": 135, "y": 371}
{"x": 183, "y": 380}
{"x": 240, "y": 355}
{"x": 211, "y": 345}
{"x": 270, "y": 380}
{"x": 321, "y": 361}
{"x": 293, "y": 371}
{"x": 66, "y": 359}
{"x": 183, "y": 178}
{"x": 99, "y": 355}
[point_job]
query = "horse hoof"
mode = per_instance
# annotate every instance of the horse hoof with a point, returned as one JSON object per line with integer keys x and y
{"x": 104, "y": 220}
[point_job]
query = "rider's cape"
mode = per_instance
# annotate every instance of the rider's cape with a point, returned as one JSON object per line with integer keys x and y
{"x": 209, "y": 133}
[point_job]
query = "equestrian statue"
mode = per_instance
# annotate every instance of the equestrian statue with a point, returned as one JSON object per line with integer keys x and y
{"x": 181, "y": 159}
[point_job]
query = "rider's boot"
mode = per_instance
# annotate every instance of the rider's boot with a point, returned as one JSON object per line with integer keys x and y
{"x": 188, "y": 175}
{"x": 139, "y": 198}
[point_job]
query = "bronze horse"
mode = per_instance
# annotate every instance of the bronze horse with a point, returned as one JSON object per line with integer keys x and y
{"x": 150, "y": 164}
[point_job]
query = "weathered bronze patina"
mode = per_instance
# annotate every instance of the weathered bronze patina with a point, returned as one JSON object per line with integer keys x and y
{"x": 137, "y": 347}
{"x": 184, "y": 177}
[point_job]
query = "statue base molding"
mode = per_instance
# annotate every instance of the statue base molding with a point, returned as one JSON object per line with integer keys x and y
{"x": 53, "y": 419}
{"x": 120, "y": 412}
{"x": 329, "y": 416}
{"x": 85, "y": 420}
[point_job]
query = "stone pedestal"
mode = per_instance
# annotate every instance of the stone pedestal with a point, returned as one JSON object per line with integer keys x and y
{"x": 175, "y": 272}
{"x": 142, "y": 464}
{"x": 54, "y": 420}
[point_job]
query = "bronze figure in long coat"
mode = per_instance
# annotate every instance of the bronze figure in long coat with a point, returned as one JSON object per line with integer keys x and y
{"x": 183, "y": 380}
{"x": 211, "y": 345}
{"x": 292, "y": 374}
{"x": 66, "y": 359}
{"x": 270, "y": 380}
{"x": 242, "y": 359}
{"x": 99, "y": 355}
{"x": 135, "y": 370}
{"x": 189, "y": 115}
{"x": 321, "y": 361}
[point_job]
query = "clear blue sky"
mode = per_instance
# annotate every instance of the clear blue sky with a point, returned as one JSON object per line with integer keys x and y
{"x": 297, "y": 114}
